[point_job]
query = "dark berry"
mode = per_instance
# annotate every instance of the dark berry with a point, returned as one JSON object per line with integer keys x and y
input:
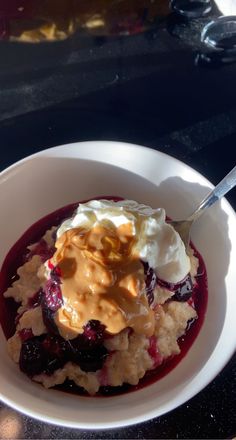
{"x": 55, "y": 274}
{"x": 51, "y": 302}
{"x": 88, "y": 354}
{"x": 78, "y": 344}
{"x": 184, "y": 290}
{"x": 48, "y": 319}
{"x": 56, "y": 351}
{"x": 53, "y": 296}
{"x": 151, "y": 281}
{"x": 32, "y": 359}
{"x": 90, "y": 360}
{"x": 53, "y": 364}
{"x": 42, "y": 354}
{"x": 56, "y": 345}
{"x": 94, "y": 332}
{"x": 92, "y": 337}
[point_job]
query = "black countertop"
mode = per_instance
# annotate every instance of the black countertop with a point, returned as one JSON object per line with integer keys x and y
{"x": 145, "y": 89}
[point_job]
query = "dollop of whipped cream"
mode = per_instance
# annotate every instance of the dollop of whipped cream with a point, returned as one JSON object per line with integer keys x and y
{"x": 156, "y": 242}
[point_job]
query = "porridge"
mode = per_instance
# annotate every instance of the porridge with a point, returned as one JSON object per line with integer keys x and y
{"x": 101, "y": 297}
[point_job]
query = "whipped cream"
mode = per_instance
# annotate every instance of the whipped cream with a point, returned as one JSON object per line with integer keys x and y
{"x": 156, "y": 242}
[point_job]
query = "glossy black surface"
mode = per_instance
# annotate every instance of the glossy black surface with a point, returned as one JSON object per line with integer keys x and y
{"x": 144, "y": 89}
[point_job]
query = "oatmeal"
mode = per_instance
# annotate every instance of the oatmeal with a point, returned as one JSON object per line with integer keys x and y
{"x": 104, "y": 297}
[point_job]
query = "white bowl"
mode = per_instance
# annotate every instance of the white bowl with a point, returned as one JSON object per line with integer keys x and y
{"x": 55, "y": 177}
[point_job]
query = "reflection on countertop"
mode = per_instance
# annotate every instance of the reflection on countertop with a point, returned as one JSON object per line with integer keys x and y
{"x": 11, "y": 424}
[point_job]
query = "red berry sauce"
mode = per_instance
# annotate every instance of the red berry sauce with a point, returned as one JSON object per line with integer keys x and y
{"x": 8, "y": 308}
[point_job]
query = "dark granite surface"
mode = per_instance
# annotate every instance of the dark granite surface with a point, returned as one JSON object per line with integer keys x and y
{"x": 144, "y": 89}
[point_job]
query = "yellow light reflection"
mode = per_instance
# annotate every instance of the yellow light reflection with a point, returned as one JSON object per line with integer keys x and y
{"x": 10, "y": 424}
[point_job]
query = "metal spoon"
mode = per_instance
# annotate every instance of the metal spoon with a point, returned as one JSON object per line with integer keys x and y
{"x": 183, "y": 226}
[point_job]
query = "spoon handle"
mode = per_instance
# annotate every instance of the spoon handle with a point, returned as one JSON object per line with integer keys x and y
{"x": 224, "y": 186}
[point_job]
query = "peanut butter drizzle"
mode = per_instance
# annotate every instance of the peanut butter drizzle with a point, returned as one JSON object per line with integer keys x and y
{"x": 102, "y": 280}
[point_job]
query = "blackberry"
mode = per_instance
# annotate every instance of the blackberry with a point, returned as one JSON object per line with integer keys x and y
{"x": 43, "y": 354}
{"x": 89, "y": 354}
{"x": 52, "y": 295}
{"x": 32, "y": 357}
{"x": 56, "y": 351}
{"x": 94, "y": 332}
{"x": 89, "y": 360}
